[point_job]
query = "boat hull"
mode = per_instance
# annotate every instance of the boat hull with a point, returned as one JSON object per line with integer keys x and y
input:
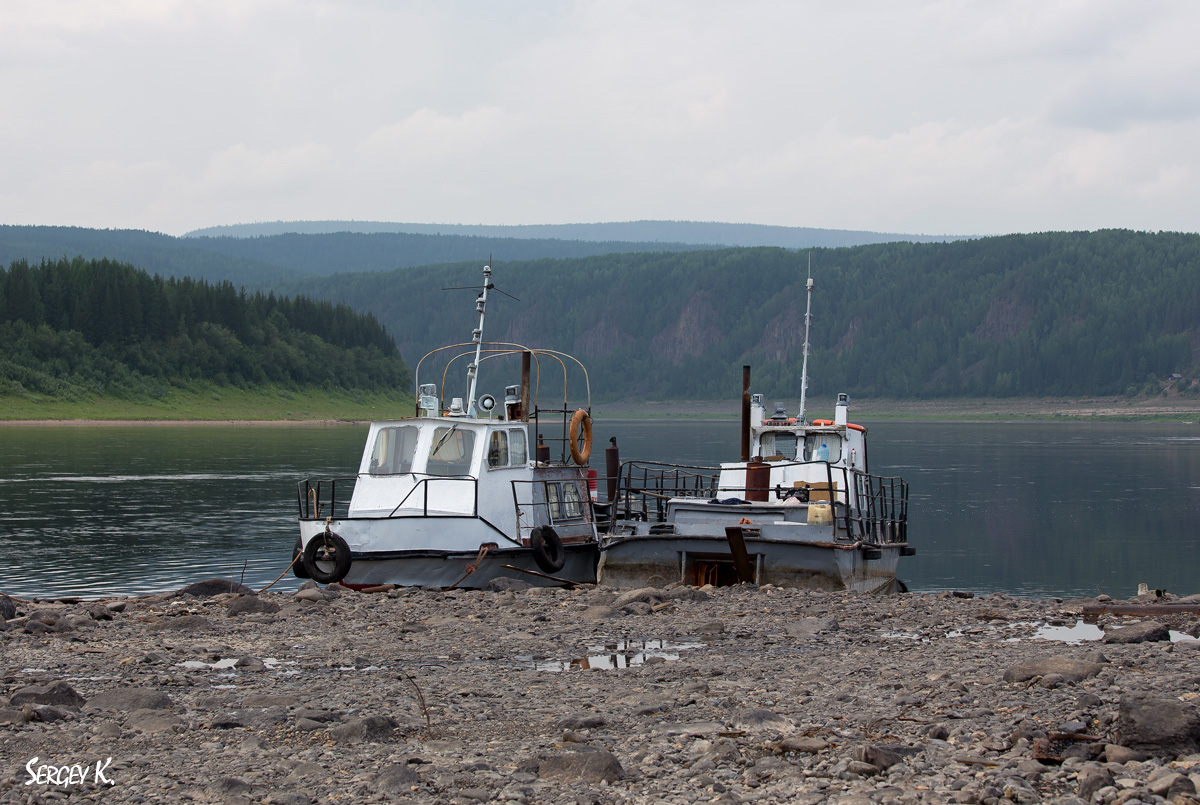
{"x": 651, "y": 560}
{"x": 438, "y": 551}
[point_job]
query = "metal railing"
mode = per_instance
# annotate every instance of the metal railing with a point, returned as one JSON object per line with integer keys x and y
{"x": 644, "y": 486}
{"x": 881, "y": 516}
{"x": 320, "y": 501}
{"x": 528, "y": 511}
{"x": 866, "y": 507}
{"x": 424, "y": 483}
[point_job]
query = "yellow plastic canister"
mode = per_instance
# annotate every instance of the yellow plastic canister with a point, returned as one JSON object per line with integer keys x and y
{"x": 819, "y": 514}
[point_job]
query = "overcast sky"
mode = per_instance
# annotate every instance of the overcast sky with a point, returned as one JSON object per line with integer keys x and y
{"x": 923, "y": 117}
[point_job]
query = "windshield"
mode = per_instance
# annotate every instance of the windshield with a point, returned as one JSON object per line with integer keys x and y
{"x": 775, "y": 444}
{"x": 822, "y": 447}
{"x": 451, "y": 452}
{"x": 394, "y": 450}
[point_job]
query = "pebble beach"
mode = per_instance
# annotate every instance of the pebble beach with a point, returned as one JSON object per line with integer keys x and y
{"x": 590, "y": 695}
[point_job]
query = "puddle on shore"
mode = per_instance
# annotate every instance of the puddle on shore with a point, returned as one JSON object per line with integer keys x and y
{"x": 1082, "y": 632}
{"x": 617, "y": 654}
{"x": 230, "y": 664}
{"x": 1079, "y": 633}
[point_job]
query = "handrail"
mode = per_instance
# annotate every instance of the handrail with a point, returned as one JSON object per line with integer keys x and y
{"x": 868, "y": 507}
{"x": 424, "y": 482}
{"x": 307, "y": 494}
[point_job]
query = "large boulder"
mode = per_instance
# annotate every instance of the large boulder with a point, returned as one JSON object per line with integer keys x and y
{"x": 581, "y": 763}
{"x": 8, "y": 608}
{"x": 127, "y": 700}
{"x": 56, "y": 693}
{"x": 1145, "y": 632}
{"x": 1158, "y": 725}
{"x": 210, "y": 587}
{"x": 1069, "y": 668}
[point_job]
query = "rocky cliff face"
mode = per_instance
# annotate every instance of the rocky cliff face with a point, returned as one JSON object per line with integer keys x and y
{"x": 697, "y": 329}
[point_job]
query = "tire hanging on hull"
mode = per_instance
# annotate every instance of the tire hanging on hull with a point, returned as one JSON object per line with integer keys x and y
{"x": 327, "y": 547}
{"x": 547, "y": 549}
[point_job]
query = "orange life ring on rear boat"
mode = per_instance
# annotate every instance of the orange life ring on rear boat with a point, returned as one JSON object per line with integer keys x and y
{"x": 581, "y": 419}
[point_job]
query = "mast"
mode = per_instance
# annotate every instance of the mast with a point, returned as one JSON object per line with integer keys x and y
{"x": 477, "y": 338}
{"x": 807, "y": 321}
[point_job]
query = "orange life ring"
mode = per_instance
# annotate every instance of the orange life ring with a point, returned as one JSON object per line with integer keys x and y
{"x": 581, "y": 419}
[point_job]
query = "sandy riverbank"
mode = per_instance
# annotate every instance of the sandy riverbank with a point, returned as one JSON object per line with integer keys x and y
{"x": 728, "y": 695}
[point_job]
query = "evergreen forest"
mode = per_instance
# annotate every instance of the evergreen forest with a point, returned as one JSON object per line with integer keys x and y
{"x": 1058, "y": 314}
{"x": 1113, "y": 312}
{"x": 77, "y": 328}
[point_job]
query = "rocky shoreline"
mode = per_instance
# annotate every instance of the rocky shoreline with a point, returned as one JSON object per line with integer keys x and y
{"x": 531, "y": 695}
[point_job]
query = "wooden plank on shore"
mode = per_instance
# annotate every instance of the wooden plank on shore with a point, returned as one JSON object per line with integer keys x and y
{"x": 1141, "y": 609}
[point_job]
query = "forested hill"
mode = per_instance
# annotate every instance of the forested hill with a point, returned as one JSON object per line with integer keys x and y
{"x": 1054, "y": 314}
{"x": 75, "y": 328}
{"x": 263, "y": 261}
{"x": 648, "y": 233}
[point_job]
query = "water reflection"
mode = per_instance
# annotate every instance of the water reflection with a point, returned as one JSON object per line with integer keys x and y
{"x": 1067, "y": 509}
{"x": 131, "y": 510}
{"x": 618, "y": 654}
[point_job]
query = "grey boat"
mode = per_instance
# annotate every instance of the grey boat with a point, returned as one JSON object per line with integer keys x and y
{"x": 800, "y": 509}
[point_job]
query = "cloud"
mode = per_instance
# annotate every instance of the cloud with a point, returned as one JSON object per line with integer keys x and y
{"x": 430, "y": 135}
{"x": 937, "y": 116}
{"x": 240, "y": 171}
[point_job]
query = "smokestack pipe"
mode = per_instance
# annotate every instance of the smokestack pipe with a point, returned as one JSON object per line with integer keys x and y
{"x": 745, "y": 413}
{"x": 525, "y": 362}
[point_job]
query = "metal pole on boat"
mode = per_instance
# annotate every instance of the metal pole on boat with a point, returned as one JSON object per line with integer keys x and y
{"x": 477, "y": 337}
{"x": 745, "y": 413}
{"x": 807, "y": 321}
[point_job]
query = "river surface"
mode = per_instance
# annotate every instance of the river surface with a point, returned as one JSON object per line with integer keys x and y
{"x": 1033, "y": 509}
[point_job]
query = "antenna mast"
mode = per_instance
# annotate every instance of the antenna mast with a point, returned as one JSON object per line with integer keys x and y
{"x": 807, "y": 321}
{"x": 477, "y": 338}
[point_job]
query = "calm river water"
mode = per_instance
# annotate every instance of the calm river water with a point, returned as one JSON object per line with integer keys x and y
{"x": 1068, "y": 509}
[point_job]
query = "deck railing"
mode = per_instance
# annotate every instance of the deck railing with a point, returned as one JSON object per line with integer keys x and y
{"x": 320, "y": 500}
{"x": 866, "y": 507}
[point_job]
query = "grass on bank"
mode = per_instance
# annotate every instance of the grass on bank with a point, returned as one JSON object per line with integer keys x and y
{"x": 280, "y": 404}
{"x": 1105, "y": 409}
{"x": 216, "y": 403}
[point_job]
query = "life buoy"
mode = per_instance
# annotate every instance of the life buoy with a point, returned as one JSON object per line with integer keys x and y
{"x": 581, "y": 419}
{"x": 547, "y": 549}
{"x": 327, "y": 547}
{"x": 298, "y": 563}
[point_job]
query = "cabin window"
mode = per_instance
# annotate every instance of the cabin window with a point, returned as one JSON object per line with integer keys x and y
{"x": 394, "y": 450}
{"x": 813, "y": 447}
{"x": 778, "y": 444}
{"x": 451, "y": 452}
{"x": 572, "y": 504}
{"x": 506, "y": 448}
{"x": 564, "y": 501}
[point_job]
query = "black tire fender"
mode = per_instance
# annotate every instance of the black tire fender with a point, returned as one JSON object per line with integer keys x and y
{"x": 547, "y": 549}
{"x": 297, "y": 562}
{"x": 332, "y": 548}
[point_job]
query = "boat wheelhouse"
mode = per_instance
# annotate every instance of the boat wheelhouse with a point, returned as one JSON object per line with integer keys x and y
{"x": 466, "y": 490}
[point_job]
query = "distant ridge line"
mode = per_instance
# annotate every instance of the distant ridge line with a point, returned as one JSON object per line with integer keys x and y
{"x": 689, "y": 232}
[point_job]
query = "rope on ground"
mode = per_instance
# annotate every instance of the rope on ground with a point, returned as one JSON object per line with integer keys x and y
{"x": 295, "y": 559}
{"x": 14, "y": 598}
{"x": 471, "y": 568}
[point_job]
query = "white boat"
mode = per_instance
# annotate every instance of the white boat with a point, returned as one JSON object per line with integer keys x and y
{"x": 460, "y": 493}
{"x": 799, "y": 509}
